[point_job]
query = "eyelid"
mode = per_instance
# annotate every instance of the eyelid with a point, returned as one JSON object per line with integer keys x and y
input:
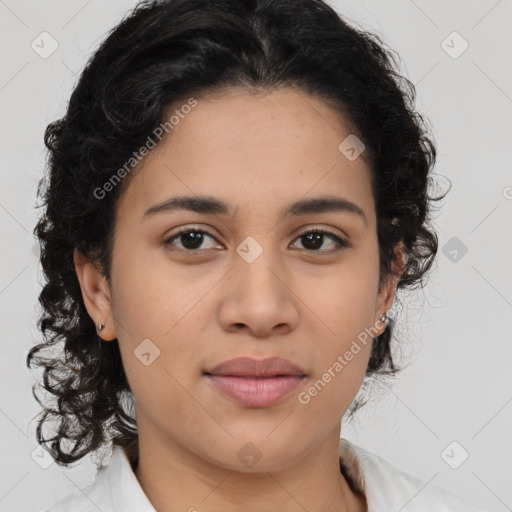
{"x": 316, "y": 228}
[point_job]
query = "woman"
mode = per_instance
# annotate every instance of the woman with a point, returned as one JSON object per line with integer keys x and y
{"x": 235, "y": 194}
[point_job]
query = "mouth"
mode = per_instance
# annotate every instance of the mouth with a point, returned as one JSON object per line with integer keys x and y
{"x": 256, "y": 383}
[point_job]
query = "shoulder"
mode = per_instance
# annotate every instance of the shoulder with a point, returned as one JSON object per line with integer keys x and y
{"x": 92, "y": 498}
{"x": 389, "y": 488}
{"x": 115, "y": 488}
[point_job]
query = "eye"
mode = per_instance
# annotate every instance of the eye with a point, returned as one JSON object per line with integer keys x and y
{"x": 314, "y": 239}
{"x": 191, "y": 239}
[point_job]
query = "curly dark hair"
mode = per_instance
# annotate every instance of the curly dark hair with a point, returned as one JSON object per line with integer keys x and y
{"x": 161, "y": 53}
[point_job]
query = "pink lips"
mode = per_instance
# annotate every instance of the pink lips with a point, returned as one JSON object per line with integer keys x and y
{"x": 256, "y": 382}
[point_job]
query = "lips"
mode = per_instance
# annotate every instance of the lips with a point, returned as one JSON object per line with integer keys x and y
{"x": 249, "y": 367}
{"x": 256, "y": 383}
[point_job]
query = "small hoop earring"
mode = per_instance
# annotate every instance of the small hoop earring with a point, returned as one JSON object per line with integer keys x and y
{"x": 100, "y": 327}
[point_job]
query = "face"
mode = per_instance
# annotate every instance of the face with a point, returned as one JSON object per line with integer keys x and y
{"x": 246, "y": 282}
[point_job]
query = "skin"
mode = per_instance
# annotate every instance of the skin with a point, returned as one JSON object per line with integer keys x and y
{"x": 258, "y": 153}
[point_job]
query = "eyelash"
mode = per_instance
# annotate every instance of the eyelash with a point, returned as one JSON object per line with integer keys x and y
{"x": 341, "y": 244}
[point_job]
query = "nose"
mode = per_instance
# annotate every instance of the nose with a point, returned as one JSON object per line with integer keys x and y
{"x": 259, "y": 298}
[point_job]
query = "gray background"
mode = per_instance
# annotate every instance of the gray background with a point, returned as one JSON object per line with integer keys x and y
{"x": 455, "y": 332}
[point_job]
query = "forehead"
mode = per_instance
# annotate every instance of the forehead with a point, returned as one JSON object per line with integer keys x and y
{"x": 269, "y": 148}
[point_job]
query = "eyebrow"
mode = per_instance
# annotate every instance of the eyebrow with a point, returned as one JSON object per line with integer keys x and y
{"x": 212, "y": 206}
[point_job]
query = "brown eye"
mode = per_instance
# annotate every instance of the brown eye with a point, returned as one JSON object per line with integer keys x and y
{"x": 314, "y": 239}
{"x": 190, "y": 239}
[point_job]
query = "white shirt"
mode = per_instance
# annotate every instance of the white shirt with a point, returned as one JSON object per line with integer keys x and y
{"x": 387, "y": 489}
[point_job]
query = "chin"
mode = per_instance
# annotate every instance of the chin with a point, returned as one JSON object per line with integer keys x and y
{"x": 258, "y": 456}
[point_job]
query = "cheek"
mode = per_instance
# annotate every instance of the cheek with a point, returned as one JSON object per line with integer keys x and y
{"x": 342, "y": 303}
{"x": 152, "y": 296}
{"x": 155, "y": 310}
{"x": 160, "y": 360}
{"x": 341, "y": 362}
{"x": 340, "y": 317}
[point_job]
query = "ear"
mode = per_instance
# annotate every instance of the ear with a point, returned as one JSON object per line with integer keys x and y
{"x": 387, "y": 289}
{"x": 96, "y": 294}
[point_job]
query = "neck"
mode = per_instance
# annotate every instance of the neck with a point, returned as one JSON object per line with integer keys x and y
{"x": 174, "y": 478}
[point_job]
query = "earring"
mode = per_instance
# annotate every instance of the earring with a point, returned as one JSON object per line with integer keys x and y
{"x": 384, "y": 318}
{"x": 100, "y": 327}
